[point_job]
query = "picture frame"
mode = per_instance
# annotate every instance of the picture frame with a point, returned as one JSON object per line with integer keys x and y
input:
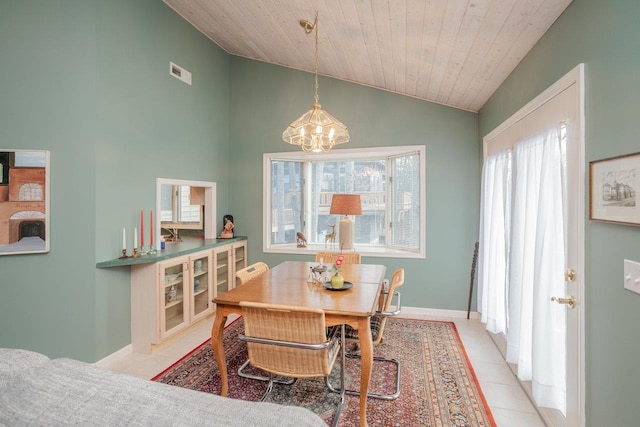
{"x": 24, "y": 201}
{"x": 613, "y": 183}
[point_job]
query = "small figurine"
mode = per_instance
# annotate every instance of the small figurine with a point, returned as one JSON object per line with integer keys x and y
{"x": 301, "y": 240}
{"x": 330, "y": 237}
{"x": 227, "y": 233}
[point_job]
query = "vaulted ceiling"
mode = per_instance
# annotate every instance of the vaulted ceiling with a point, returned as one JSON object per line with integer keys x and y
{"x": 452, "y": 52}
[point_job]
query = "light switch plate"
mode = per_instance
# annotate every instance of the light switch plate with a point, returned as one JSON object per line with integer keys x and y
{"x": 632, "y": 276}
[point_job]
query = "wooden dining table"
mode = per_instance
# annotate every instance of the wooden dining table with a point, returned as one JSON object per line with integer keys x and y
{"x": 287, "y": 284}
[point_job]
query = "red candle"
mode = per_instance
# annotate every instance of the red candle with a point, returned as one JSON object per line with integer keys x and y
{"x": 151, "y": 228}
{"x": 141, "y": 228}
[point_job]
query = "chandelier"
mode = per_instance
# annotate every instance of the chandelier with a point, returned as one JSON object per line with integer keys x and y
{"x": 316, "y": 130}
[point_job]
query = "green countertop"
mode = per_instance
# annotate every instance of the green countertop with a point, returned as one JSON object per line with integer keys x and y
{"x": 187, "y": 246}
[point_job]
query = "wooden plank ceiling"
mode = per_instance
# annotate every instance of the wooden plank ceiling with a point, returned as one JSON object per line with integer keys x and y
{"x": 452, "y": 52}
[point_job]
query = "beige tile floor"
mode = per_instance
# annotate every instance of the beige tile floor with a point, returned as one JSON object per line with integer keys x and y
{"x": 508, "y": 402}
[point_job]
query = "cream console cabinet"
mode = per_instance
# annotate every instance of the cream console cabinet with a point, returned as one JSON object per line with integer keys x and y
{"x": 169, "y": 296}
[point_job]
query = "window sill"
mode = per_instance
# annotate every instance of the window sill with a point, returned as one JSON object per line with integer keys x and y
{"x": 365, "y": 251}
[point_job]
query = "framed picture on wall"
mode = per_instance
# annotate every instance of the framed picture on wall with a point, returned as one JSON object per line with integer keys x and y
{"x": 613, "y": 184}
{"x": 24, "y": 201}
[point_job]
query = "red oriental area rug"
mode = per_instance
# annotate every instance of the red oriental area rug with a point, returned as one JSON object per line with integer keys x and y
{"x": 439, "y": 387}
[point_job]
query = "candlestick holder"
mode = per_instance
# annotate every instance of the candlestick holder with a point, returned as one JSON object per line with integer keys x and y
{"x": 152, "y": 250}
{"x": 124, "y": 254}
{"x": 136, "y": 254}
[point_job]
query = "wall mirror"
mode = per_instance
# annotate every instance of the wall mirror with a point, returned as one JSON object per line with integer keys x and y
{"x": 185, "y": 205}
{"x": 24, "y": 201}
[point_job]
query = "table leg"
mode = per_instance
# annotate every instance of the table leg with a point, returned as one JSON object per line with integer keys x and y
{"x": 217, "y": 331}
{"x": 366, "y": 352}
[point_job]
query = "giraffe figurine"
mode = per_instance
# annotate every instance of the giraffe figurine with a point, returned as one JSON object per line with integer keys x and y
{"x": 331, "y": 237}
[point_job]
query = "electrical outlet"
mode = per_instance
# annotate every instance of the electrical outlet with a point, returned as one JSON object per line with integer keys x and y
{"x": 632, "y": 276}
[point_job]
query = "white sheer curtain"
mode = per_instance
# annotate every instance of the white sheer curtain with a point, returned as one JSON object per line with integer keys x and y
{"x": 536, "y": 336}
{"x": 494, "y": 241}
{"x": 534, "y": 267}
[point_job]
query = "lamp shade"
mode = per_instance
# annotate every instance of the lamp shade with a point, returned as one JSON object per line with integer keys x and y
{"x": 346, "y": 204}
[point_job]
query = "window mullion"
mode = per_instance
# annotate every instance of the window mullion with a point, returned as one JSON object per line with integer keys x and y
{"x": 389, "y": 203}
{"x": 307, "y": 199}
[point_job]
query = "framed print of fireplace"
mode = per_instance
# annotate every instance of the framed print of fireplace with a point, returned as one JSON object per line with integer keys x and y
{"x": 24, "y": 201}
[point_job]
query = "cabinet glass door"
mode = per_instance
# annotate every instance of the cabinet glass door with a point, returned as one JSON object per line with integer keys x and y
{"x": 201, "y": 303}
{"x": 174, "y": 313}
{"x": 239, "y": 258}
{"x": 222, "y": 271}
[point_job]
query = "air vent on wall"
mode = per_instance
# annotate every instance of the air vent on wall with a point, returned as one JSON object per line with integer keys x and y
{"x": 180, "y": 73}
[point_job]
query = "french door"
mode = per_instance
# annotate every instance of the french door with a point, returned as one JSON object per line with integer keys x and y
{"x": 560, "y": 106}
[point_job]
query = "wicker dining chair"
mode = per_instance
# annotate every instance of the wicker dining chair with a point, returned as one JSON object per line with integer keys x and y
{"x": 248, "y": 273}
{"x": 292, "y": 341}
{"x": 331, "y": 257}
{"x": 251, "y": 271}
{"x": 378, "y": 322}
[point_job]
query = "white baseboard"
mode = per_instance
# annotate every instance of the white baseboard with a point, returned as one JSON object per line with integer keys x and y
{"x": 114, "y": 357}
{"x": 407, "y": 313}
{"x": 421, "y": 313}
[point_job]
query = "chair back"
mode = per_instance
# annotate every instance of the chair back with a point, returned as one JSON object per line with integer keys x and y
{"x": 331, "y": 257}
{"x": 251, "y": 271}
{"x": 379, "y": 321}
{"x": 293, "y": 340}
{"x": 397, "y": 280}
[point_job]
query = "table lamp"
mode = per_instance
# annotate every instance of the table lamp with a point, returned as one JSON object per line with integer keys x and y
{"x": 346, "y": 204}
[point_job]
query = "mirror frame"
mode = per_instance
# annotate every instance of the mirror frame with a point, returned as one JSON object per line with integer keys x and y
{"x": 209, "y": 217}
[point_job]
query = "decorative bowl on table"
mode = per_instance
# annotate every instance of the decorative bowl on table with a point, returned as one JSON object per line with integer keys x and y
{"x": 345, "y": 286}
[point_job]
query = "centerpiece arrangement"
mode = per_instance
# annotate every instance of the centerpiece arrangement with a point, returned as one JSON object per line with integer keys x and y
{"x": 329, "y": 275}
{"x": 337, "y": 281}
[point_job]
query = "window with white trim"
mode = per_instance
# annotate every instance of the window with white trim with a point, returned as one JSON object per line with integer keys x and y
{"x": 390, "y": 181}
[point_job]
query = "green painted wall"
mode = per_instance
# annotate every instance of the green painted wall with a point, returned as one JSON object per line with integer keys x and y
{"x": 47, "y": 101}
{"x": 606, "y": 37}
{"x": 89, "y": 81}
{"x": 266, "y": 98}
{"x": 149, "y": 125}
